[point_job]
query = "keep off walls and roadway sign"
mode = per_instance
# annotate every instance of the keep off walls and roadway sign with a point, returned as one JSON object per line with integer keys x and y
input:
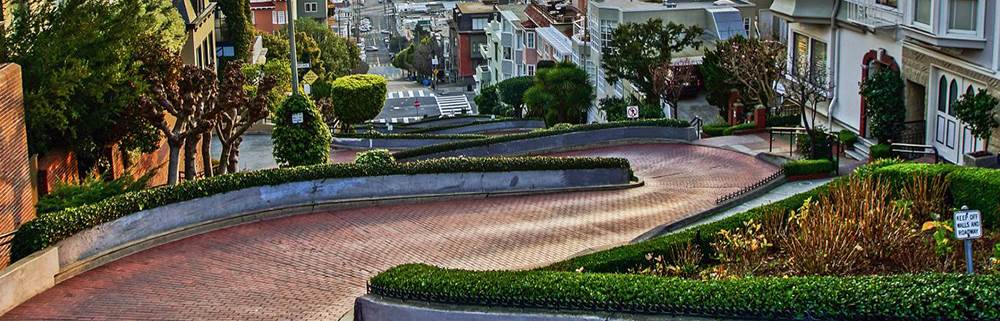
{"x": 968, "y": 227}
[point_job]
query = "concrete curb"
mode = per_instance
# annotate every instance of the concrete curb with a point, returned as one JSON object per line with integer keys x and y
{"x": 481, "y": 127}
{"x": 388, "y": 143}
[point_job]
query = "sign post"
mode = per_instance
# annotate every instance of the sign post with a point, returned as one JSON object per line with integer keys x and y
{"x": 968, "y": 227}
{"x": 632, "y": 112}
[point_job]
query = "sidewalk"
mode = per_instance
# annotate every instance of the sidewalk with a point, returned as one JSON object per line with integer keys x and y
{"x": 784, "y": 191}
{"x": 755, "y": 144}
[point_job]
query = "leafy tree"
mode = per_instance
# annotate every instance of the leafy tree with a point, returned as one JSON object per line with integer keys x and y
{"x": 562, "y": 92}
{"x": 755, "y": 65}
{"x": 977, "y": 111}
{"x": 78, "y": 72}
{"x": 357, "y": 98}
{"x": 426, "y": 49}
{"x": 300, "y": 143}
{"x": 488, "y": 102}
{"x": 183, "y": 92}
{"x": 718, "y": 82}
{"x": 404, "y": 59}
{"x": 669, "y": 81}
{"x": 280, "y": 71}
{"x": 238, "y": 29}
{"x": 243, "y": 104}
{"x": 339, "y": 55}
{"x": 276, "y": 44}
{"x": 636, "y": 49}
{"x": 884, "y": 105}
{"x": 512, "y": 92}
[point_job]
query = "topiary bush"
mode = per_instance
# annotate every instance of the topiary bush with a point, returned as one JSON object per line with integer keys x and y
{"x": 809, "y": 166}
{"x": 847, "y": 138}
{"x": 358, "y": 98}
{"x": 300, "y": 143}
{"x": 375, "y": 157}
{"x": 880, "y": 151}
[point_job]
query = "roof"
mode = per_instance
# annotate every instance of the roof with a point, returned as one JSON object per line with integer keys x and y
{"x": 555, "y": 38}
{"x": 640, "y": 5}
{"x": 475, "y": 7}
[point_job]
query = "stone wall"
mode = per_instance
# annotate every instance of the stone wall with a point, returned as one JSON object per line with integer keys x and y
{"x": 17, "y": 196}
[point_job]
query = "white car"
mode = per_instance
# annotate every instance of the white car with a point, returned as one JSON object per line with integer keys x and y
{"x": 371, "y": 48}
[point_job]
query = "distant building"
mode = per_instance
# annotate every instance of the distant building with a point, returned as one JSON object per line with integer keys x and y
{"x": 469, "y": 20}
{"x": 271, "y": 15}
{"x": 199, "y": 37}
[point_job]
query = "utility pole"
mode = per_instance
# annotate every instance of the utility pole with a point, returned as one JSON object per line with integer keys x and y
{"x": 291, "y": 46}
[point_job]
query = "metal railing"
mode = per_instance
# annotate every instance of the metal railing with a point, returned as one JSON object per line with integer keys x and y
{"x": 752, "y": 187}
{"x": 914, "y": 151}
{"x": 914, "y": 132}
{"x": 792, "y": 132}
{"x": 697, "y": 123}
{"x": 870, "y": 13}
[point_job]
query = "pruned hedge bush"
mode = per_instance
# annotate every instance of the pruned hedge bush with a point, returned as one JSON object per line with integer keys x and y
{"x": 50, "y": 228}
{"x": 378, "y": 135}
{"x": 915, "y": 297}
{"x": 809, "y": 166}
{"x": 535, "y": 134}
{"x": 978, "y": 188}
{"x": 716, "y": 130}
{"x": 880, "y": 151}
{"x": 476, "y": 123}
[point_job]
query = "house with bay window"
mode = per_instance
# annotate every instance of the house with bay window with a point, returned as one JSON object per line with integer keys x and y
{"x": 942, "y": 47}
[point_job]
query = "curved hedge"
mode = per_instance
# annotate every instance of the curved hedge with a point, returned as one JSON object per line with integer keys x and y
{"x": 378, "y": 135}
{"x": 898, "y": 297}
{"x": 540, "y": 133}
{"x": 926, "y": 296}
{"x": 51, "y": 228}
{"x": 357, "y": 98}
{"x": 478, "y": 122}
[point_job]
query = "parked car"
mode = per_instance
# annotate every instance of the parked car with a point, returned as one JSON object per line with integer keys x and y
{"x": 371, "y": 48}
{"x": 385, "y": 32}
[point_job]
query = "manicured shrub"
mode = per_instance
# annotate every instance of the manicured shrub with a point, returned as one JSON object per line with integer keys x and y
{"x": 880, "y": 151}
{"x": 978, "y": 188}
{"x": 375, "y": 157}
{"x": 784, "y": 121}
{"x": 358, "y": 98}
{"x": 715, "y": 130}
{"x": 809, "y": 166}
{"x": 48, "y": 229}
{"x": 476, "y": 123}
{"x": 91, "y": 190}
{"x": 376, "y": 135}
{"x": 304, "y": 141}
{"x": 734, "y": 129}
{"x": 847, "y": 138}
{"x": 511, "y": 92}
{"x": 535, "y": 134}
{"x": 919, "y": 297}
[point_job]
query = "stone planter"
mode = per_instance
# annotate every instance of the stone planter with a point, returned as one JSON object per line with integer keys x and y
{"x": 980, "y": 159}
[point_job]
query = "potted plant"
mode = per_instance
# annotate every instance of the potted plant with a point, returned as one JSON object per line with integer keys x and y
{"x": 977, "y": 111}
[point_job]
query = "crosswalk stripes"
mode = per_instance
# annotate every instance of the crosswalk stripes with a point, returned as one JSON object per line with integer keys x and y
{"x": 453, "y": 105}
{"x": 396, "y": 120}
{"x": 409, "y": 94}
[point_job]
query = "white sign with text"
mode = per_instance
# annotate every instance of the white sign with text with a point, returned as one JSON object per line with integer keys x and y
{"x": 968, "y": 225}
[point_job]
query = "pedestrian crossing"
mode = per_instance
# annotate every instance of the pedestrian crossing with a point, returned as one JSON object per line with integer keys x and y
{"x": 453, "y": 105}
{"x": 397, "y": 120}
{"x": 409, "y": 94}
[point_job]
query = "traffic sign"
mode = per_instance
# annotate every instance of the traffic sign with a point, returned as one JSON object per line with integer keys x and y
{"x": 416, "y": 104}
{"x": 632, "y": 112}
{"x": 310, "y": 77}
{"x": 302, "y": 65}
{"x": 968, "y": 225}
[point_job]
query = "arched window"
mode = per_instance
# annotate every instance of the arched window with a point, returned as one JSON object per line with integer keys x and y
{"x": 970, "y": 91}
{"x": 942, "y": 95}
{"x": 952, "y": 96}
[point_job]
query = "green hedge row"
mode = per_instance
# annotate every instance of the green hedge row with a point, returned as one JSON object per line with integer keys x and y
{"x": 478, "y": 122}
{"x": 809, "y": 166}
{"x": 978, "y": 188}
{"x": 50, "y": 228}
{"x": 880, "y": 151}
{"x": 725, "y": 130}
{"x": 926, "y": 296}
{"x": 535, "y": 134}
{"x": 377, "y": 135}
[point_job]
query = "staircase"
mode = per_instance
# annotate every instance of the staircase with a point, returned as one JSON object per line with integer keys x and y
{"x": 862, "y": 149}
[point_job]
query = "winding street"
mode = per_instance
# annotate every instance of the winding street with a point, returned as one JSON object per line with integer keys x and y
{"x": 311, "y": 267}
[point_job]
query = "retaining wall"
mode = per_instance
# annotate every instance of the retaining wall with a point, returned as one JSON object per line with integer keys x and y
{"x": 492, "y": 127}
{"x": 388, "y": 143}
{"x": 572, "y": 140}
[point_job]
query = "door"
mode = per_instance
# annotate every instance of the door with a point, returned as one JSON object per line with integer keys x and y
{"x": 952, "y": 138}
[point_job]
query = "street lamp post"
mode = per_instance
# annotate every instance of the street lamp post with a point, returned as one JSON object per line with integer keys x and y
{"x": 290, "y": 14}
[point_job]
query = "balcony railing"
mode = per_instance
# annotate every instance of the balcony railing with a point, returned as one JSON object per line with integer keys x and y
{"x": 580, "y": 30}
{"x": 870, "y": 13}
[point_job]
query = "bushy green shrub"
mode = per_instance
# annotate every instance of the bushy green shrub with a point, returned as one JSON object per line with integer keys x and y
{"x": 560, "y": 126}
{"x": 784, "y": 121}
{"x": 358, "y": 98}
{"x": 91, "y": 190}
{"x": 884, "y": 104}
{"x": 511, "y": 92}
{"x": 535, "y": 134}
{"x": 715, "y": 130}
{"x": 51, "y": 228}
{"x": 809, "y": 166}
{"x": 304, "y": 143}
{"x": 978, "y": 188}
{"x": 880, "y": 151}
{"x": 920, "y": 297}
{"x": 488, "y": 102}
{"x": 733, "y": 129}
{"x": 847, "y": 138}
{"x": 375, "y": 157}
{"x": 476, "y": 123}
{"x": 377, "y": 135}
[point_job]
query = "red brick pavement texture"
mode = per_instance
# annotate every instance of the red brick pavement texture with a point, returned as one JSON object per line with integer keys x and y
{"x": 311, "y": 267}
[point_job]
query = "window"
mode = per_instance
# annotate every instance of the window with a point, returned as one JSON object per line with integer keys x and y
{"x": 278, "y": 17}
{"x": 607, "y": 27}
{"x": 962, "y": 15}
{"x": 531, "y": 70}
{"x": 808, "y": 55}
{"x": 531, "y": 39}
{"x": 922, "y": 11}
{"x": 942, "y": 98}
{"x": 479, "y": 23}
{"x": 311, "y": 6}
{"x": 888, "y": 3}
{"x": 746, "y": 25}
{"x": 519, "y": 41}
{"x": 952, "y": 97}
{"x": 506, "y": 53}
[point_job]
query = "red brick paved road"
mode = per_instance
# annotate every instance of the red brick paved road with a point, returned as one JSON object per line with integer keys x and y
{"x": 311, "y": 267}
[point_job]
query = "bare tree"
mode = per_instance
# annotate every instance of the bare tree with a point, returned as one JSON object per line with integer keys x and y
{"x": 756, "y": 64}
{"x": 670, "y": 79}
{"x": 239, "y": 111}
{"x": 184, "y": 93}
{"x": 806, "y": 87}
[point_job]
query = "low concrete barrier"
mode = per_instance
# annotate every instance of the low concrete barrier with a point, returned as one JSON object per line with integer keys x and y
{"x": 574, "y": 140}
{"x": 505, "y": 125}
{"x": 374, "y": 308}
{"x": 446, "y": 121}
{"x": 27, "y": 277}
{"x": 388, "y": 143}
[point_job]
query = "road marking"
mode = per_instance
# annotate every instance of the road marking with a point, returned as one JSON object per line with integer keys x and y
{"x": 411, "y": 94}
{"x": 451, "y": 105}
{"x": 394, "y": 119}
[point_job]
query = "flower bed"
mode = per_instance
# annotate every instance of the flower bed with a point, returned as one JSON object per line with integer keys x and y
{"x": 540, "y": 133}
{"x": 50, "y": 228}
{"x": 610, "y": 280}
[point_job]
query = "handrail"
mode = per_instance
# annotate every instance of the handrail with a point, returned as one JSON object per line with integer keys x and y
{"x": 915, "y": 149}
{"x": 697, "y": 123}
{"x": 751, "y": 187}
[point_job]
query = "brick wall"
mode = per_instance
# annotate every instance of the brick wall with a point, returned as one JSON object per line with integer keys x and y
{"x": 17, "y": 197}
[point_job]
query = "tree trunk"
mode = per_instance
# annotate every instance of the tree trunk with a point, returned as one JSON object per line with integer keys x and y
{"x": 234, "y": 154}
{"x": 175, "y": 151}
{"x": 206, "y": 153}
{"x": 224, "y": 159}
{"x": 190, "y": 149}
